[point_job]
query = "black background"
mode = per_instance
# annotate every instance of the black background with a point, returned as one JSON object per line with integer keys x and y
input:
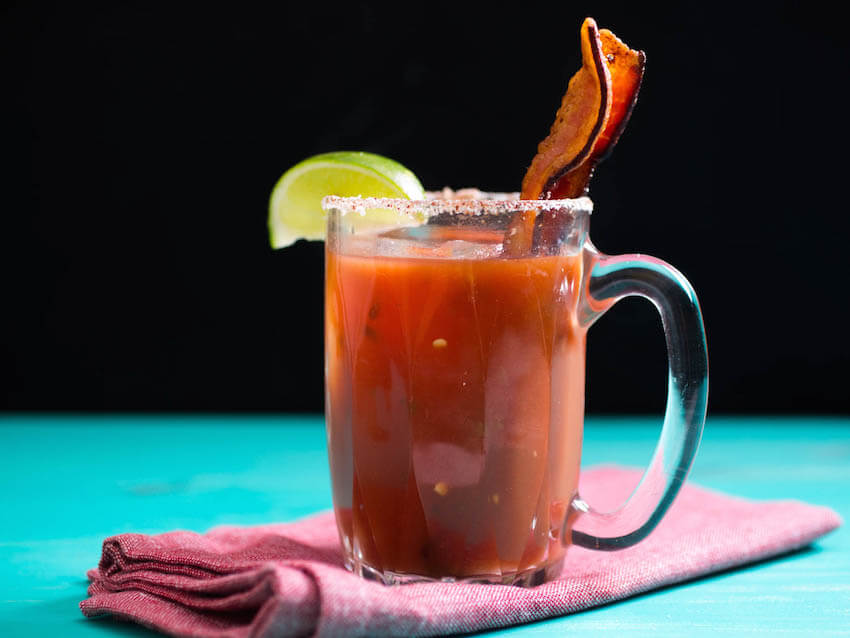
{"x": 142, "y": 141}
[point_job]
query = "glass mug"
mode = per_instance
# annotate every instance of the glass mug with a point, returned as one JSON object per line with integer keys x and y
{"x": 455, "y": 354}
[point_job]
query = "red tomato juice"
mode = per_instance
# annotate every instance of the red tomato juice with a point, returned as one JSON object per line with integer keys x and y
{"x": 454, "y": 411}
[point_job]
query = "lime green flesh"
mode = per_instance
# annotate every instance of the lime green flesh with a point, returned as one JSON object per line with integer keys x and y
{"x": 295, "y": 210}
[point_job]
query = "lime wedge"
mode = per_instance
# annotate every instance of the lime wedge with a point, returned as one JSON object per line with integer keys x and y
{"x": 295, "y": 208}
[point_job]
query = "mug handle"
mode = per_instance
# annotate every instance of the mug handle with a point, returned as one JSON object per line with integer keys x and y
{"x": 612, "y": 279}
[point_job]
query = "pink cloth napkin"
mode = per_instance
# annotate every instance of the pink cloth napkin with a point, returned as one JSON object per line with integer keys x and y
{"x": 288, "y": 579}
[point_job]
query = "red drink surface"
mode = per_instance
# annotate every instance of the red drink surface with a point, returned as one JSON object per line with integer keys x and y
{"x": 454, "y": 411}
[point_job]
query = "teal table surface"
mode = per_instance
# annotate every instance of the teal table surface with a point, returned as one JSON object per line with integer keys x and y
{"x": 67, "y": 482}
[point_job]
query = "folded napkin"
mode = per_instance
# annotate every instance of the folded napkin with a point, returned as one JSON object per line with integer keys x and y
{"x": 288, "y": 579}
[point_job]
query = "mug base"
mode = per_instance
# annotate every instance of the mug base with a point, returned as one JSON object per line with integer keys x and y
{"x": 527, "y": 578}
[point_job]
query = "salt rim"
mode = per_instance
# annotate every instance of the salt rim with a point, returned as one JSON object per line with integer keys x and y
{"x": 433, "y": 207}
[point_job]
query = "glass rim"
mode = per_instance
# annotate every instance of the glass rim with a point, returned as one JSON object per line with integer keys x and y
{"x": 496, "y": 204}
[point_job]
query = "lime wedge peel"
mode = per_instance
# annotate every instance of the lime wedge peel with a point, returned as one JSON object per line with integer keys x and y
{"x": 295, "y": 207}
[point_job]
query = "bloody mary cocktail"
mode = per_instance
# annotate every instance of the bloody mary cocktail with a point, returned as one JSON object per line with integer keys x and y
{"x": 455, "y": 339}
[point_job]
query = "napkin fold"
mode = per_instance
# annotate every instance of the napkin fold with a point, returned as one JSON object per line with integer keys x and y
{"x": 288, "y": 579}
